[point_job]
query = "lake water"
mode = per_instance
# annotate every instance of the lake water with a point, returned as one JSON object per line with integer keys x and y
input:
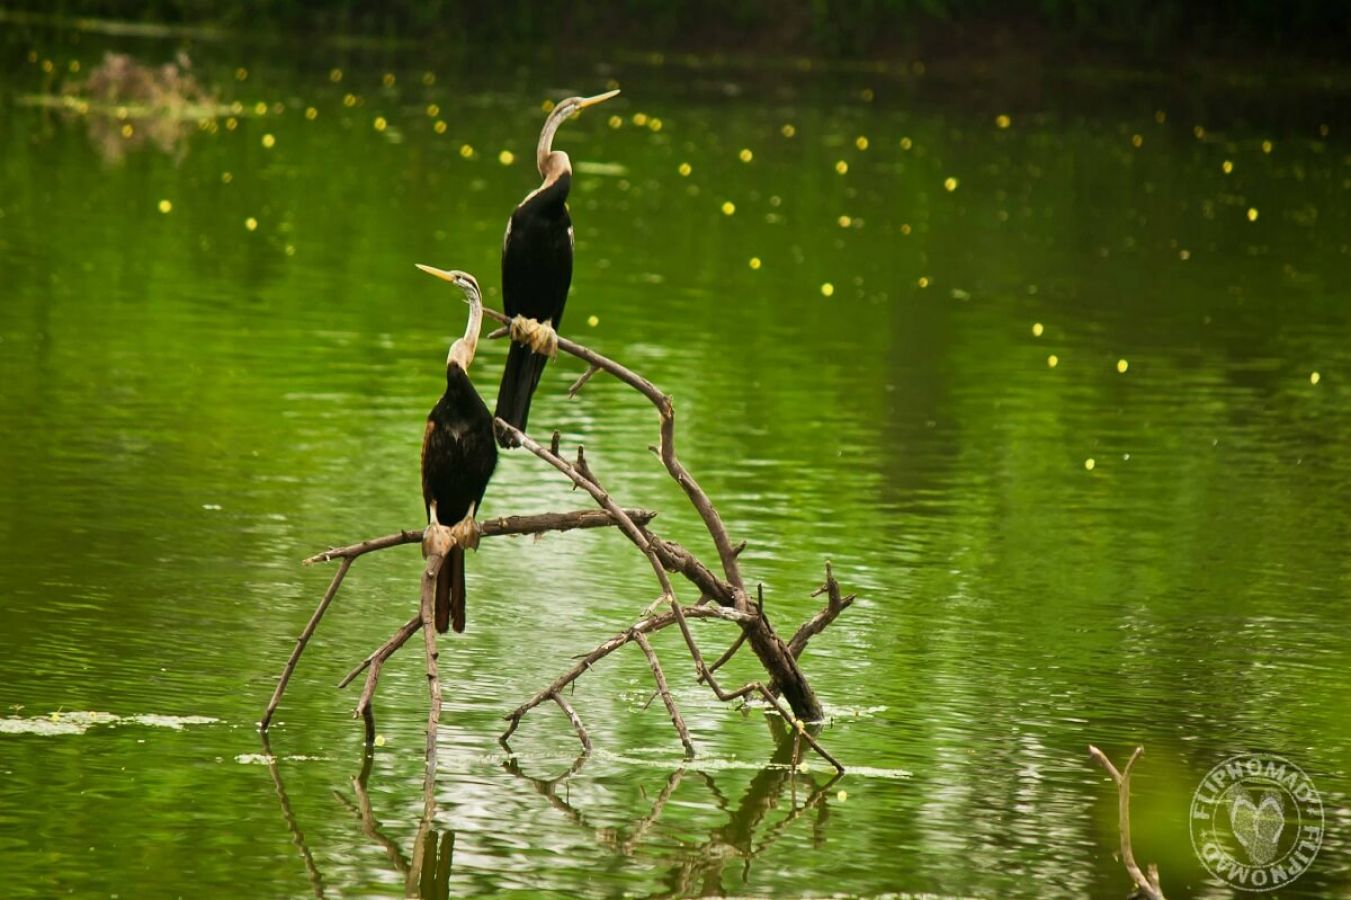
{"x": 1054, "y": 368}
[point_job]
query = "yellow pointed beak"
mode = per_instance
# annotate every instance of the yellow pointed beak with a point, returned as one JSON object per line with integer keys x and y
{"x": 599, "y": 98}
{"x": 439, "y": 273}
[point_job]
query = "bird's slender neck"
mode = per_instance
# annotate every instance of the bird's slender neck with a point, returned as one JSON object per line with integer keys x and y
{"x": 546, "y": 137}
{"x": 462, "y": 351}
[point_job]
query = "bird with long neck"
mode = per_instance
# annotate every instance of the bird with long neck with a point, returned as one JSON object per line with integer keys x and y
{"x": 537, "y": 268}
{"x": 458, "y": 456}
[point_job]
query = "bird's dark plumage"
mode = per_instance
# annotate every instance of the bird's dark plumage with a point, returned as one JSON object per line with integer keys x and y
{"x": 537, "y": 262}
{"x": 458, "y": 458}
{"x": 536, "y": 275}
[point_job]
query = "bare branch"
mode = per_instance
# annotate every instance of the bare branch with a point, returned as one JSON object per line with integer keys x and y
{"x": 581, "y": 382}
{"x": 676, "y": 719}
{"x": 385, "y": 650}
{"x": 1148, "y": 885}
{"x": 306, "y": 633}
{"x": 576, "y": 721}
{"x": 504, "y": 525}
{"x": 605, "y": 648}
{"x": 436, "y": 545}
{"x": 816, "y": 624}
{"x": 702, "y": 504}
{"x": 625, "y": 523}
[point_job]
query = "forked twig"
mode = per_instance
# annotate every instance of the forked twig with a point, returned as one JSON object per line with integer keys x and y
{"x": 1147, "y": 885}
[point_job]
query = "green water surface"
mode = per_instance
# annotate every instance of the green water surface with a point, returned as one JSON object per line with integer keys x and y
{"x": 216, "y": 358}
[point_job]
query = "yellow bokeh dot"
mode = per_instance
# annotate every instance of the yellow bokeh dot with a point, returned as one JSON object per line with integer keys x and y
{"x": 251, "y": 223}
{"x": 616, "y": 121}
{"x": 1199, "y": 132}
{"x": 388, "y": 80}
{"x": 906, "y": 143}
{"x": 128, "y": 130}
{"x": 640, "y": 119}
{"x": 349, "y": 100}
{"x": 1037, "y": 329}
{"x": 429, "y": 78}
{"x": 844, "y": 221}
{"x": 165, "y": 206}
{"x": 755, "y": 262}
{"x": 1002, "y": 121}
{"x": 867, "y": 95}
{"x": 311, "y": 113}
{"x": 685, "y": 170}
{"x": 48, "y": 65}
{"x": 433, "y": 110}
{"x": 506, "y": 157}
{"x": 842, "y": 796}
{"x": 1266, "y": 146}
{"x": 466, "y": 151}
{"x": 745, "y": 155}
{"x": 260, "y": 108}
{"x": 1314, "y": 378}
{"x": 1227, "y": 167}
{"x": 654, "y": 124}
{"x": 1052, "y": 361}
{"x": 380, "y": 124}
{"x": 379, "y": 740}
{"x": 1122, "y": 365}
{"x": 923, "y": 281}
{"x": 728, "y": 207}
{"x": 231, "y": 123}
{"x": 788, "y": 130}
{"x": 1184, "y": 255}
{"x": 861, "y": 142}
{"x": 827, "y": 289}
{"x": 1252, "y": 214}
{"x": 226, "y": 177}
{"x": 1160, "y": 116}
{"x": 547, "y": 105}
{"x": 269, "y": 141}
{"x": 241, "y": 73}
{"x": 841, "y": 167}
{"x": 335, "y": 75}
{"x": 439, "y": 127}
{"x": 593, "y": 321}
{"x": 949, "y": 183}
{"x": 1090, "y": 463}
{"x": 1137, "y": 140}
{"x": 290, "y": 249}
{"x": 905, "y": 228}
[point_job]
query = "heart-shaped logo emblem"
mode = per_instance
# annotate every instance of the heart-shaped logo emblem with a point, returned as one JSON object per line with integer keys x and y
{"x": 1257, "y": 826}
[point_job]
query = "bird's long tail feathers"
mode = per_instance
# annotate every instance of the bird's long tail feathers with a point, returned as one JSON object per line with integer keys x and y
{"x": 519, "y": 380}
{"x": 450, "y": 592}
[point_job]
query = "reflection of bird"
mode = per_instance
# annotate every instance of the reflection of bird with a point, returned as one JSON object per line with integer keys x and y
{"x": 458, "y": 456}
{"x": 537, "y": 266}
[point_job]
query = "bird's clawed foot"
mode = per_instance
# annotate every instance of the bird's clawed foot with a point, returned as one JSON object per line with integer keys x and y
{"x": 465, "y": 533}
{"x": 538, "y": 336}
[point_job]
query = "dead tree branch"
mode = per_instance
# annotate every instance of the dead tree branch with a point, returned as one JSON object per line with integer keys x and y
{"x": 1146, "y": 885}
{"x": 506, "y": 525}
{"x": 726, "y": 590}
{"x": 660, "y": 678}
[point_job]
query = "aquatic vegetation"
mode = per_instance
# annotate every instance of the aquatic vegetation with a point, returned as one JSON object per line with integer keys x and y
{"x": 129, "y": 105}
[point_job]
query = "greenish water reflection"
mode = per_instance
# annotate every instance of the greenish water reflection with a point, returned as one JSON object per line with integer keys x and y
{"x": 191, "y": 406}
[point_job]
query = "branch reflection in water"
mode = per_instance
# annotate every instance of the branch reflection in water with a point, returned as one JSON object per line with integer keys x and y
{"x": 744, "y": 831}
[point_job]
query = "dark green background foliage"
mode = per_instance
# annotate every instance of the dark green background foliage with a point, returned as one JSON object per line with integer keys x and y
{"x": 830, "y": 26}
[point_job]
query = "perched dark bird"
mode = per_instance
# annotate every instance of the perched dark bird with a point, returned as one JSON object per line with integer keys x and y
{"x": 537, "y": 268}
{"x": 458, "y": 456}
